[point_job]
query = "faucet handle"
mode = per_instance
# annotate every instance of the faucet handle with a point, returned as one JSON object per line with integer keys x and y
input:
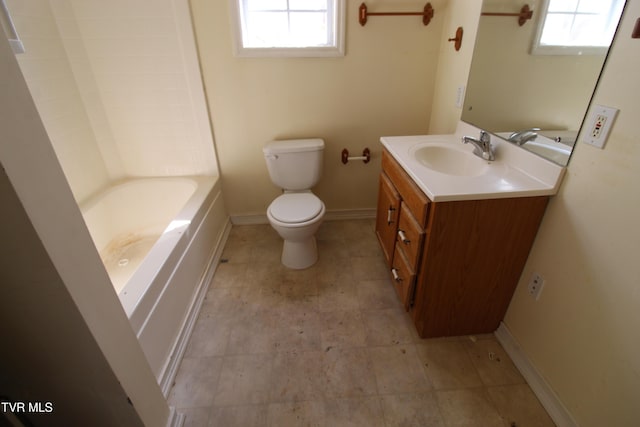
{"x": 484, "y": 136}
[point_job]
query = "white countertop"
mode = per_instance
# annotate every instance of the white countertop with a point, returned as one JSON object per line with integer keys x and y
{"x": 514, "y": 172}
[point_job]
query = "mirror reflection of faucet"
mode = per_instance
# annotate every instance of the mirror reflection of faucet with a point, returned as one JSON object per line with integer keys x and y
{"x": 482, "y": 145}
{"x": 522, "y": 136}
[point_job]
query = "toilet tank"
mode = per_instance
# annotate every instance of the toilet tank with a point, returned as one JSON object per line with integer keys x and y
{"x": 294, "y": 164}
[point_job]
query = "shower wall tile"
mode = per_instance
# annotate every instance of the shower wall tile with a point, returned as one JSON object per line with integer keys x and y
{"x": 126, "y": 47}
{"x": 48, "y": 74}
{"x": 128, "y": 26}
{"x": 138, "y": 64}
{"x": 122, "y": 8}
{"x": 114, "y": 90}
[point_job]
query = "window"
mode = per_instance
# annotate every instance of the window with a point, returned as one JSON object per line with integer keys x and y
{"x": 577, "y": 26}
{"x": 289, "y": 27}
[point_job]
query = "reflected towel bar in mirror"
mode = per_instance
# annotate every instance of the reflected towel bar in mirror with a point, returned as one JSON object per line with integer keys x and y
{"x": 426, "y": 14}
{"x": 524, "y": 15}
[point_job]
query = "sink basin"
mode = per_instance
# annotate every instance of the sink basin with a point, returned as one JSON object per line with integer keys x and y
{"x": 449, "y": 159}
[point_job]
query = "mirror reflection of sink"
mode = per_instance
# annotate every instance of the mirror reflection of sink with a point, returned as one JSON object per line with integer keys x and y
{"x": 553, "y": 151}
{"x": 545, "y": 145}
{"x": 449, "y": 159}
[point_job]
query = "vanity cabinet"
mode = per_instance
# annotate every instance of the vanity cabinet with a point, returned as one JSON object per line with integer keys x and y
{"x": 455, "y": 264}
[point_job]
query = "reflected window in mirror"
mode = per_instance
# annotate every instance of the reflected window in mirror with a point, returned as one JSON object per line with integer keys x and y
{"x": 576, "y": 27}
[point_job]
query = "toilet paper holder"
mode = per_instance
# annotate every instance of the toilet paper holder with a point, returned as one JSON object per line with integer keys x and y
{"x": 366, "y": 156}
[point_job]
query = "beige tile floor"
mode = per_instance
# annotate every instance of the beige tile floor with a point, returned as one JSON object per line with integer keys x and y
{"x": 332, "y": 346}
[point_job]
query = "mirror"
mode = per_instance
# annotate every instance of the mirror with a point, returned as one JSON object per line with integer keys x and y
{"x": 509, "y": 89}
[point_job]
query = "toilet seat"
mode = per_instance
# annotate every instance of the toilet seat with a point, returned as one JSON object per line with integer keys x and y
{"x": 295, "y": 208}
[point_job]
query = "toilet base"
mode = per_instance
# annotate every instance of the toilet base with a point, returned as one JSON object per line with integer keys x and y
{"x": 300, "y": 254}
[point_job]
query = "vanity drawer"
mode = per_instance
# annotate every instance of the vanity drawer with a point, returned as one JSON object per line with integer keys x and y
{"x": 403, "y": 277}
{"x": 410, "y": 236}
{"x": 415, "y": 199}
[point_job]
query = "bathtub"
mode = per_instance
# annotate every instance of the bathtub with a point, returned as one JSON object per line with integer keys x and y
{"x": 158, "y": 238}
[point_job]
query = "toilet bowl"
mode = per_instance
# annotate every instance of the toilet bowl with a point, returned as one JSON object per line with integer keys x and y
{"x": 296, "y": 217}
{"x": 295, "y": 166}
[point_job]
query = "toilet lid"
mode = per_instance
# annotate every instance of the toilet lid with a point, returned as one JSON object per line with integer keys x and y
{"x": 295, "y": 207}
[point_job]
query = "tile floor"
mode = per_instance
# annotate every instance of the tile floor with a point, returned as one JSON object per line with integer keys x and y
{"x": 332, "y": 346}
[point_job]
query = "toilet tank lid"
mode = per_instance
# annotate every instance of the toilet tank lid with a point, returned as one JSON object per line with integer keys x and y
{"x": 293, "y": 146}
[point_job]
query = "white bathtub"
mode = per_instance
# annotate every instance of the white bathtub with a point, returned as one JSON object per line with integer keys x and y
{"x": 157, "y": 238}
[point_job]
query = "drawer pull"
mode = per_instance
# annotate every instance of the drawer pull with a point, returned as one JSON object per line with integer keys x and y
{"x": 390, "y": 215}
{"x": 403, "y": 237}
{"x": 396, "y": 276}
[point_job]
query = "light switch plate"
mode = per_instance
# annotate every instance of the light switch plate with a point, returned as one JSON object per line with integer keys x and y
{"x": 597, "y": 128}
{"x": 460, "y": 96}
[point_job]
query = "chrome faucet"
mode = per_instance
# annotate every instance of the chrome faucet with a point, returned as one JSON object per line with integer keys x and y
{"x": 482, "y": 145}
{"x": 522, "y": 136}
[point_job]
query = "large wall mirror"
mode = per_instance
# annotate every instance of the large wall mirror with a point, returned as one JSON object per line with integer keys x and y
{"x": 514, "y": 85}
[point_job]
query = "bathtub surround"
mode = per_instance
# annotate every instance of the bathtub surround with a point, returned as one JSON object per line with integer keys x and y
{"x": 113, "y": 112}
{"x": 73, "y": 343}
{"x": 118, "y": 87}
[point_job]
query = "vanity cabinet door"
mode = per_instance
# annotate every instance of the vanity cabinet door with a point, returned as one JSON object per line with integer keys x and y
{"x": 387, "y": 217}
{"x": 410, "y": 236}
{"x": 403, "y": 277}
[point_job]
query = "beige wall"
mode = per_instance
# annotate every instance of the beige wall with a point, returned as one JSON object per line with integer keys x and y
{"x": 118, "y": 87}
{"x": 582, "y": 334}
{"x": 383, "y": 86}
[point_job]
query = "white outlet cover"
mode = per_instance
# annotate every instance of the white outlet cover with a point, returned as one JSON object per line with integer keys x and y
{"x": 600, "y": 137}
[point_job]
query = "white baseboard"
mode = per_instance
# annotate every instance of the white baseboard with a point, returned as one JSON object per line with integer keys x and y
{"x": 332, "y": 215}
{"x": 539, "y": 385}
{"x": 180, "y": 346}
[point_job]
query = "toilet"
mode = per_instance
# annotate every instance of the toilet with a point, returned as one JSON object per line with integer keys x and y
{"x": 295, "y": 166}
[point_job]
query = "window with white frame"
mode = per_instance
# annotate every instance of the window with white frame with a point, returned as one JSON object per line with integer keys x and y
{"x": 289, "y": 27}
{"x": 576, "y": 26}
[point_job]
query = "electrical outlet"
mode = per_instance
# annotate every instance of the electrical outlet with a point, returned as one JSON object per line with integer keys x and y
{"x": 599, "y": 125}
{"x": 535, "y": 285}
{"x": 601, "y": 120}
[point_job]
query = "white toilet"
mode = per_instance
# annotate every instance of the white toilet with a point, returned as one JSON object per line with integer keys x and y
{"x": 295, "y": 166}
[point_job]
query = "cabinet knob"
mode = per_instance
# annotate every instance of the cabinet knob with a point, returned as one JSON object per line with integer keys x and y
{"x": 403, "y": 237}
{"x": 396, "y": 276}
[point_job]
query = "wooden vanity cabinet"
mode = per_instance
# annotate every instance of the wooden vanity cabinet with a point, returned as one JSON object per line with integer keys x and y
{"x": 463, "y": 261}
